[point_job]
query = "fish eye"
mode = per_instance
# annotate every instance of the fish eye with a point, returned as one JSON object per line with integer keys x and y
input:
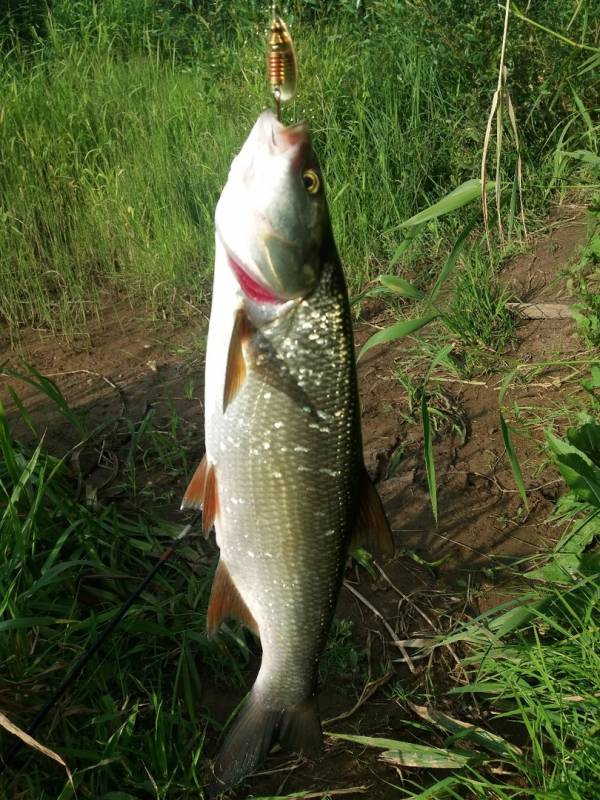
{"x": 311, "y": 181}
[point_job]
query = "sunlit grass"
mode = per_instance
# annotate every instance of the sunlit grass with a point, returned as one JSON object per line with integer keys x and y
{"x": 118, "y": 128}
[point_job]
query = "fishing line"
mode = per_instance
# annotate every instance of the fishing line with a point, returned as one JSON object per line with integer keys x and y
{"x": 79, "y": 665}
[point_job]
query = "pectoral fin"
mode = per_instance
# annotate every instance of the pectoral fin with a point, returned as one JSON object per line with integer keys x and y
{"x": 235, "y": 373}
{"x": 201, "y": 493}
{"x": 210, "y": 508}
{"x": 226, "y": 601}
{"x": 194, "y": 494}
{"x": 371, "y": 529}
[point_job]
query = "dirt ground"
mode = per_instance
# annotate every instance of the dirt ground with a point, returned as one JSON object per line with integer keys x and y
{"x": 126, "y": 365}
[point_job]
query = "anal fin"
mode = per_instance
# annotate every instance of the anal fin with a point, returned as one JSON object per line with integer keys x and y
{"x": 235, "y": 372}
{"x": 371, "y": 529}
{"x": 225, "y": 601}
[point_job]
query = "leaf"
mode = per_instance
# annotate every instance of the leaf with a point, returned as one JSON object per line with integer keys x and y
{"x": 594, "y": 381}
{"x": 586, "y": 438}
{"x": 514, "y": 461}
{"x": 582, "y": 476}
{"x": 514, "y": 618}
{"x": 568, "y": 555}
{"x": 429, "y": 461}
{"x": 585, "y": 156}
{"x": 506, "y": 437}
{"x": 25, "y": 416}
{"x": 482, "y": 687}
{"x": 50, "y": 389}
{"x": 518, "y": 13}
{"x": 408, "y": 754}
{"x": 459, "y": 197}
{"x": 31, "y": 742}
{"x": 399, "y": 286}
{"x": 372, "y": 292}
{"x": 396, "y": 331}
{"x": 440, "y": 789}
{"x": 448, "y": 267}
{"x": 21, "y": 623}
{"x": 349, "y": 791}
{"x": 490, "y": 741}
{"x": 406, "y": 243}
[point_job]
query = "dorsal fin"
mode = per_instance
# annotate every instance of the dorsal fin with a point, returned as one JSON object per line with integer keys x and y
{"x": 194, "y": 494}
{"x": 210, "y": 507}
{"x": 235, "y": 372}
{"x": 371, "y": 528}
{"x": 226, "y": 601}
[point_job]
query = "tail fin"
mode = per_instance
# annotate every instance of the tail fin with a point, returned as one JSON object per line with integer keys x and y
{"x": 256, "y": 730}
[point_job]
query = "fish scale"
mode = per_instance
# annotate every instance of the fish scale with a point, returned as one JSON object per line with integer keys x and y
{"x": 297, "y": 478}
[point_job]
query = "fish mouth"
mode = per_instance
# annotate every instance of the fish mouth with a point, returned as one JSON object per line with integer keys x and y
{"x": 252, "y": 288}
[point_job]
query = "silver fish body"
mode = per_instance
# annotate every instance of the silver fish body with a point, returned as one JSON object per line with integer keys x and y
{"x": 283, "y": 446}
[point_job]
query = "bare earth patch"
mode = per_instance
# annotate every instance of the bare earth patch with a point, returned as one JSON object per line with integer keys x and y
{"x": 128, "y": 367}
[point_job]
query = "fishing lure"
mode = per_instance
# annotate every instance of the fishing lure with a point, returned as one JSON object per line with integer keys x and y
{"x": 282, "y": 66}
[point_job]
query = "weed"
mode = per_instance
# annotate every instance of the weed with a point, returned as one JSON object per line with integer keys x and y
{"x": 478, "y": 314}
{"x": 586, "y": 282}
{"x": 343, "y": 663}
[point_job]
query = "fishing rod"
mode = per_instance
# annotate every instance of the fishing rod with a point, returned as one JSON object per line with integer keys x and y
{"x": 80, "y": 664}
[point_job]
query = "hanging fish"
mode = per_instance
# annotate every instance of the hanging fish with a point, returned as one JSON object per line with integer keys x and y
{"x": 283, "y": 479}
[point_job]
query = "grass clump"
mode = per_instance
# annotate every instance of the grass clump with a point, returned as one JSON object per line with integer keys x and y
{"x": 586, "y": 282}
{"x": 478, "y": 314}
{"x": 119, "y": 124}
{"x": 66, "y": 568}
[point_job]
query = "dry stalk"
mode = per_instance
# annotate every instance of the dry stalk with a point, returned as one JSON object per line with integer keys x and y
{"x": 405, "y": 657}
{"x": 369, "y": 689}
{"x": 499, "y": 100}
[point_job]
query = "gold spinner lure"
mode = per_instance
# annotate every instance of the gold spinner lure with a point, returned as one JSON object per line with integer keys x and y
{"x": 281, "y": 62}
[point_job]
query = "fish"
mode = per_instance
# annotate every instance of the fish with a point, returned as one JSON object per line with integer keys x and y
{"x": 283, "y": 479}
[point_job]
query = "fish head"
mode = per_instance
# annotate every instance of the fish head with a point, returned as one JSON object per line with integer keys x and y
{"x": 272, "y": 216}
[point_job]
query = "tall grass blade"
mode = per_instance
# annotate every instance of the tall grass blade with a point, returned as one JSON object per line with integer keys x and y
{"x": 507, "y": 439}
{"x": 489, "y": 741}
{"x": 396, "y": 331}
{"x": 409, "y": 754}
{"x": 459, "y": 197}
{"x": 400, "y": 286}
{"x": 514, "y": 461}
{"x": 448, "y": 267}
{"x": 518, "y": 13}
{"x": 31, "y": 742}
{"x": 428, "y": 452}
{"x": 405, "y": 244}
{"x": 48, "y": 387}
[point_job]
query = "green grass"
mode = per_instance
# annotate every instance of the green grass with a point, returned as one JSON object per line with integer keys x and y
{"x": 539, "y": 681}
{"x": 118, "y": 128}
{"x": 586, "y": 282}
{"x": 66, "y": 568}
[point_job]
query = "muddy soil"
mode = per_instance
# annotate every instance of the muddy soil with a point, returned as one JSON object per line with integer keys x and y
{"x": 126, "y": 366}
